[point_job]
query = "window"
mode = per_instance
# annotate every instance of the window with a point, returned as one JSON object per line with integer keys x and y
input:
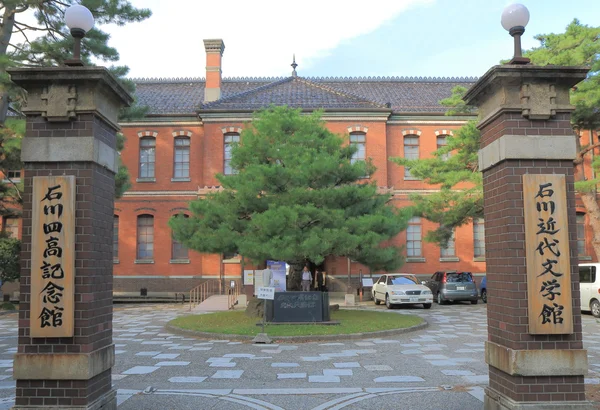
{"x": 181, "y": 165}
{"x": 14, "y": 176}
{"x": 11, "y": 227}
{"x": 581, "y": 235}
{"x": 178, "y": 251}
{"x": 145, "y": 237}
{"x": 441, "y": 143}
{"x": 413, "y": 238}
{"x": 230, "y": 139}
{"x": 449, "y": 251}
{"x": 115, "y": 238}
{"x": 587, "y": 274}
{"x": 358, "y": 140}
{"x": 478, "y": 238}
{"x": 232, "y": 257}
{"x": 147, "y": 157}
{"x": 411, "y": 151}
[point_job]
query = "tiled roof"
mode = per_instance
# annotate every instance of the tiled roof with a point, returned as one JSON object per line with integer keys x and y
{"x": 294, "y": 92}
{"x": 405, "y": 94}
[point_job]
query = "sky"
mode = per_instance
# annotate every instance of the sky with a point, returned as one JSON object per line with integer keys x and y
{"x": 441, "y": 38}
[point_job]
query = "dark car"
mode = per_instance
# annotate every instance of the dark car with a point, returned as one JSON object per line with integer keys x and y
{"x": 483, "y": 289}
{"x": 453, "y": 286}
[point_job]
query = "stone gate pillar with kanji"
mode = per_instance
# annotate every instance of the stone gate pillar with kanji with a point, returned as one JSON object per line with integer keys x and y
{"x": 534, "y": 348}
{"x": 65, "y": 348}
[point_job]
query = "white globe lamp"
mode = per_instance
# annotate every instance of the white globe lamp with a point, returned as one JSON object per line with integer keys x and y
{"x": 79, "y": 20}
{"x": 514, "y": 19}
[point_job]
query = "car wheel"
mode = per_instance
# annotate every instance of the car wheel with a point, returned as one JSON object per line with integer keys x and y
{"x": 377, "y": 301}
{"x": 474, "y": 302}
{"x": 484, "y": 296}
{"x": 426, "y": 305}
{"x": 440, "y": 301}
{"x": 387, "y": 301}
{"x": 595, "y": 308}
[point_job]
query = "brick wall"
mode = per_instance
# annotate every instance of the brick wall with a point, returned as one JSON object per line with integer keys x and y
{"x": 93, "y": 280}
{"x": 507, "y": 279}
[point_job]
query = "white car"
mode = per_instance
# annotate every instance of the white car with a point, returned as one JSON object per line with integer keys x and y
{"x": 398, "y": 288}
{"x": 589, "y": 286}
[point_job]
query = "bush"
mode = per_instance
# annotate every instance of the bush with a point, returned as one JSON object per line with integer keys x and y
{"x": 7, "y": 306}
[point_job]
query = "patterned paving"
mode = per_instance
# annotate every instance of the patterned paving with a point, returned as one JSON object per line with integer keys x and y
{"x": 446, "y": 357}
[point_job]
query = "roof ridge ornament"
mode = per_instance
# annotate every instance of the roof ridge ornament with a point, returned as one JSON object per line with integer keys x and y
{"x": 294, "y": 65}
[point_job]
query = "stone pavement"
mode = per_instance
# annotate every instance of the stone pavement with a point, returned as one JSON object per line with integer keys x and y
{"x": 440, "y": 367}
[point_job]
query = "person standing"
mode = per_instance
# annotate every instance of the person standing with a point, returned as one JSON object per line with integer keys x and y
{"x": 319, "y": 280}
{"x": 306, "y": 279}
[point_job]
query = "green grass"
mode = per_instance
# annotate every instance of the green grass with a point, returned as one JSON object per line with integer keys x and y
{"x": 7, "y": 306}
{"x": 352, "y": 321}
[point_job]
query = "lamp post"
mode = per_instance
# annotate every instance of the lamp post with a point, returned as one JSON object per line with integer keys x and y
{"x": 514, "y": 19}
{"x": 79, "y": 20}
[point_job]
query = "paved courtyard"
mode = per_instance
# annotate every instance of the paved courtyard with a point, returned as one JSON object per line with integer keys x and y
{"x": 440, "y": 367}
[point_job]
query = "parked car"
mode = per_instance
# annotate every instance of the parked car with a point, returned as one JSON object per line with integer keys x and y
{"x": 398, "y": 288}
{"x": 589, "y": 286}
{"x": 483, "y": 289}
{"x": 453, "y": 286}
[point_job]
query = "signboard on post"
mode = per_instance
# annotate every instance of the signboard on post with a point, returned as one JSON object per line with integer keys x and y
{"x": 547, "y": 252}
{"x": 53, "y": 257}
{"x": 278, "y": 270}
{"x": 266, "y": 293}
{"x": 367, "y": 282}
{"x": 248, "y": 277}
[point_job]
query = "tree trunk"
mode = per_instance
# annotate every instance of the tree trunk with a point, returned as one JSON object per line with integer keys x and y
{"x": 593, "y": 210}
{"x": 295, "y": 275}
{"x": 589, "y": 200}
{"x": 8, "y": 23}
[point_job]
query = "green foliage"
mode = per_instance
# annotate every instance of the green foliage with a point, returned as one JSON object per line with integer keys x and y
{"x": 7, "y": 306}
{"x": 10, "y": 160}
{"x": 10, "y": 250}
{"x": 297, "y": 198}
{"x": 579, "y": 45}
{"x": 454, "y": 168}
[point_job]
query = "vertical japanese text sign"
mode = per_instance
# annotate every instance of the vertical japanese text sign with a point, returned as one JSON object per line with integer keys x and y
{"x": 548, "y": 254}
{"x": 53, "y": 257}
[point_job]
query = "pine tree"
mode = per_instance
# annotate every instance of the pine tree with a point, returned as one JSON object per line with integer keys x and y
{"x": 297, "y": 197}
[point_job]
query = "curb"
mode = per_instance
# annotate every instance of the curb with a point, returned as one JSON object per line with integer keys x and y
{"x": 300, "y": 339}
{"x": 7, "y": 312}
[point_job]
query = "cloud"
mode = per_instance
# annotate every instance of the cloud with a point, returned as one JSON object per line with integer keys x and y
{"x": 260, "y": 36}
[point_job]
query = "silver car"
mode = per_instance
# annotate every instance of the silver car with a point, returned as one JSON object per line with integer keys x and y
{"x": 453, "y": 286}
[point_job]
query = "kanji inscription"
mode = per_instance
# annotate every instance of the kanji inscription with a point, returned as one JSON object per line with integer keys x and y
{"x": 53, "y": 257}
{"x": 548, "y": 254}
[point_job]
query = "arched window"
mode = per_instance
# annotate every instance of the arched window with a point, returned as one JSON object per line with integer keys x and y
{"x": 178, "y": 251}
{"x": 581, "y": 234}
{"x": 478, "y": 238}
{"x": 11, "y": 227}
{"x": 181, "y": 161}
{"x": 411, "y": 151}
{"x": 449, "y": 251}
{"x": 147, "y": 157}
{"x": 145, "y": 237}
{"x": 359, "y": 140}
{"x": 115, "y": 238}
{"x": 229, "y": 140}
{"x": 413, "y": 238}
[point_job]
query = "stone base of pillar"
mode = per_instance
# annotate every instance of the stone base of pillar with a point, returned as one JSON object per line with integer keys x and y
{"x": 105, "y": 402}
{"x": 494, "y": 400}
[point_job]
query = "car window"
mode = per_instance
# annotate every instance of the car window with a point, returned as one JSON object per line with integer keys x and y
{"x": 389, "y": 280}
{"x": 402, "y": 280}
{"x": 381, "y": 279}
{"x": 435, "y": 277}
{"x": 459, "y": 277}
{"x": 587, "y": 274}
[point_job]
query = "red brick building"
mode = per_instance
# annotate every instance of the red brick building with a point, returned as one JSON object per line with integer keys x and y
{"x": 174, "y": 153}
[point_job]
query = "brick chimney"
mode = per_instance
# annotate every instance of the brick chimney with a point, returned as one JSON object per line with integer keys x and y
{"x": 214, "y": 53}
